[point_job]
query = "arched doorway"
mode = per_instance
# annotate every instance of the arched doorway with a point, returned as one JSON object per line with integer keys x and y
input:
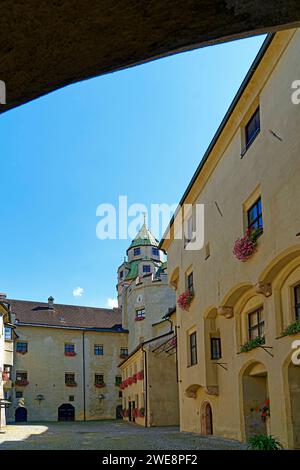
{"x": 294, "y": 390}
{"x": 255, "y": 399}
{"x": 66, "y": 412}
{"x": 119, "y": 414}
{"x": 206, "y": 420}
{"x": 21, "y": 414}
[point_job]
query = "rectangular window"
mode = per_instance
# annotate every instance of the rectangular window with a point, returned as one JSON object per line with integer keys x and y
{"x": 71, "y": 397}
{"x": 215, "y": 348}
{"x": 19, "y": 394}
{"x": 254, "y": 216}
{"x": 124, "y": 352}
{"x": 146, "y": 268}
{"x": 120, "y": 394}
{"x": 99, "y": 379}
{"x": 98, "y": 350}
{"x": 252, "y": 129}
{"x": 69, "y": 348}
{"x": 22, "y": 347}
{"x": 256, "y": 324}
{"x": 118, "y": 380}
{"x": 21, "y": 376}
{"x": 193, "y": 349}
{"x": 69, "y": 378}
{"x": 140, "y": 313}
{"x": 297, "y": 301}
{"x": 155, "y": 251}
{"x": 121, "y": 274}
{"x": 190, "y": 282}
{"x": 136, "y": 251}
{"x": 8, "y": 333}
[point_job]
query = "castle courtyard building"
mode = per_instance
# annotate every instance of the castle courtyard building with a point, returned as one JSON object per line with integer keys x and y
{"x": 239, "y": 317}
{"x": 66, "y": 362}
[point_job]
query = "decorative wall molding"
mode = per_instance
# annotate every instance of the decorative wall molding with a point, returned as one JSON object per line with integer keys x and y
{"x": 225, "y": 311}
{"x": 263, "y": 288}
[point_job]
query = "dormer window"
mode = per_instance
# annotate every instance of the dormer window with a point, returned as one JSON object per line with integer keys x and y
{"x": 136, "y": 251}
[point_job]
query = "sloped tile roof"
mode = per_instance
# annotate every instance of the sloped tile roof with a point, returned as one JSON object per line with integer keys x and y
{"x": 39, "y": 313}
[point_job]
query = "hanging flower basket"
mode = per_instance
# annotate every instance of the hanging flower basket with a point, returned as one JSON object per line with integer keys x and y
{"x": 185, "y": 299}
{"x": 244, "y": 247}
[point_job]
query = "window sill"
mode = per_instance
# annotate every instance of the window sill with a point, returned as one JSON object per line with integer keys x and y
{"x": 246, "y": 148}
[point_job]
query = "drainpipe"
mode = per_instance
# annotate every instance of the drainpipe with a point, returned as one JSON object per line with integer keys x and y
{"x": 146, "y": 386}
{"x": 176, "y": 353}
{"x": 83, "y": 374}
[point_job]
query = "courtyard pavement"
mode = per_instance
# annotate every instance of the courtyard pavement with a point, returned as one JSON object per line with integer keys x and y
{"x": 106, "y": 435}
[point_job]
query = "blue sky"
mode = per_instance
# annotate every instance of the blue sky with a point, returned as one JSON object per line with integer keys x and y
{"x": 140, "y": 132}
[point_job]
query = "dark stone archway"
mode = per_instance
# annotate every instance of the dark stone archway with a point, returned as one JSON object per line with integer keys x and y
{"x": 47, "y": 44}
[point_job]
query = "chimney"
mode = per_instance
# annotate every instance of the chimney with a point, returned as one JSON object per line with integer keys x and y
{"x": 2, "y": 296}
{"x": 50, "y": 302}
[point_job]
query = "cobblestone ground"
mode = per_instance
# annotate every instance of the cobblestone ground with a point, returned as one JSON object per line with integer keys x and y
{"x": 106, "y": 435}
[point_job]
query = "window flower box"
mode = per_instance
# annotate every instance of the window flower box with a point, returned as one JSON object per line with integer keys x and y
{"x": 123, "y": 356}
{"x": 139, "y": 318}
{"x": 140, "y": 375}
{"x": 185, "y": 299}
{"x": 134, "y": 378}
{"x": 21, "y": 383}
{"x": 252, "y": 344}
{"x": 292, "y": 329}
{"x": 100, "y": 385}
{"x": 244, "y": 247}
{"x": 130, "y": 380}
{"x": 71, "y": 384}
{"x": 21, "y": 352}
{"x": 70, "y": 353}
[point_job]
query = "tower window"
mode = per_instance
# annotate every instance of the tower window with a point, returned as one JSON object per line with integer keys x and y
{"x": 140, "y": 313}
{"x": 146, "y": 268}
{"x": 155, "y": 251}
{"x": 98, "y": 350}
{"x": 136, "y": 251}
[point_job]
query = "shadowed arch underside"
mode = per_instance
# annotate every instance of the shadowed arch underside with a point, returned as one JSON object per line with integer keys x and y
{"x": 47, "y": 44}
